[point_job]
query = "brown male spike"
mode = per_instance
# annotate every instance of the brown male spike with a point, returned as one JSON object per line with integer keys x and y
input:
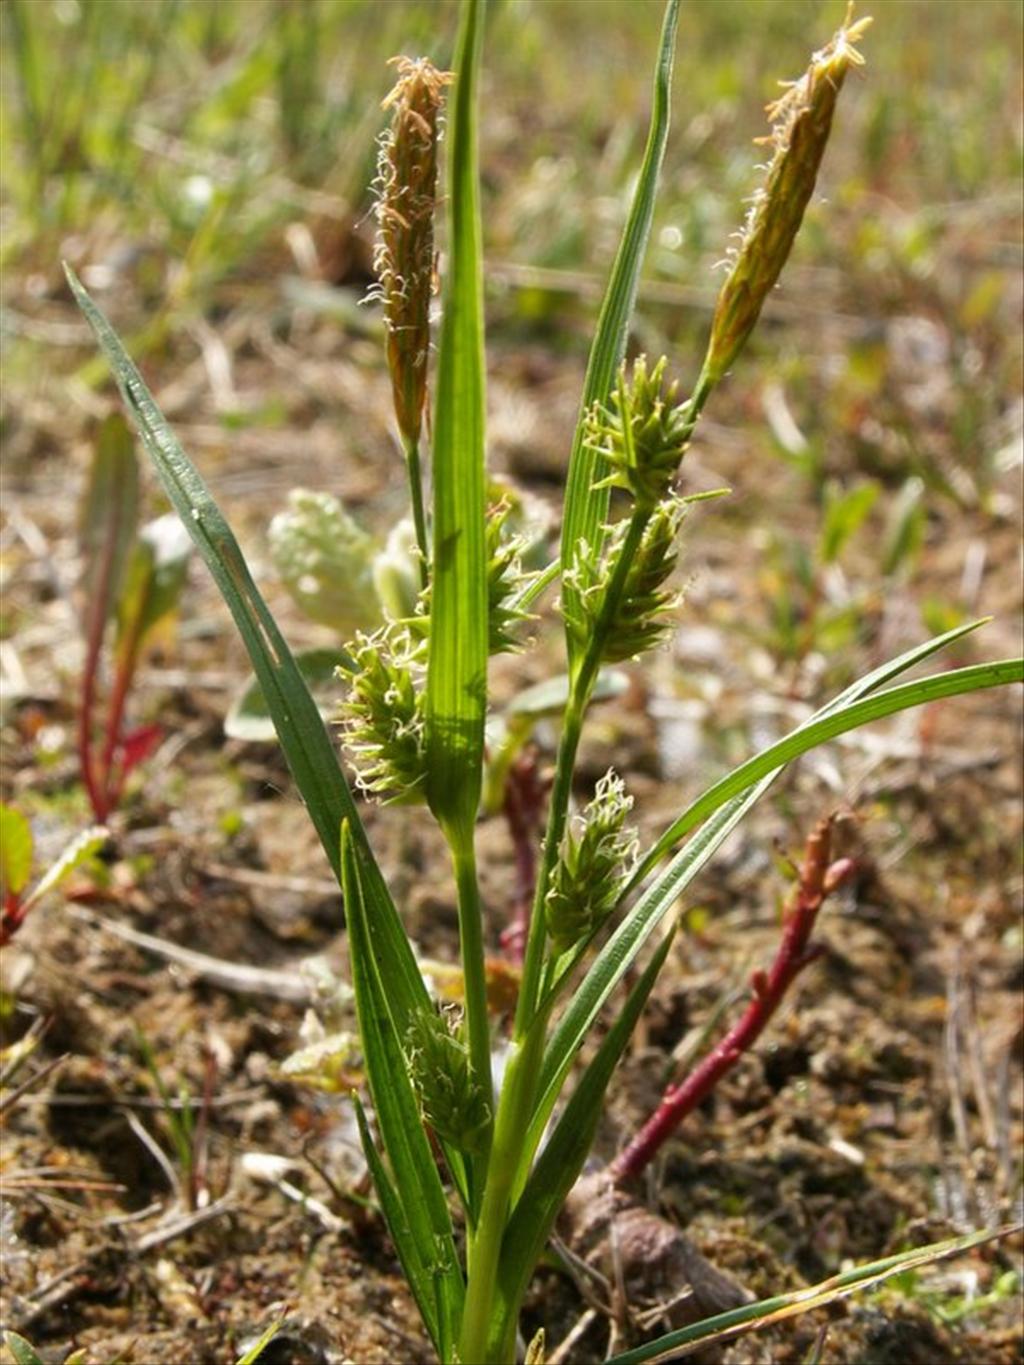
{"x": 801, "y": 122}
{"x": 404, "y": 256}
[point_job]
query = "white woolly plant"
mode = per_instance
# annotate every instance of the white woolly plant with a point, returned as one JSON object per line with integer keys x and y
{"x": 470, "y": 1177}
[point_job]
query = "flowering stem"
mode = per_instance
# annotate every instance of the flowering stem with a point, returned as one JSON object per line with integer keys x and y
{"x": 818, "y": 878}
{"x": 472, "y": 948}
{"x": 521, "y": 805}
{"x": 419, "y": 516}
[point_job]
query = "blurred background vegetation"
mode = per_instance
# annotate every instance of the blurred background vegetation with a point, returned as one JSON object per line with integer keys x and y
{"x": 202, "y": 163}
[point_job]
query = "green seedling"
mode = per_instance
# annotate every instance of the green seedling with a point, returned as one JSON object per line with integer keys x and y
{"x": 131, "y": 584}
{"x": 471, "y": 1175}
{"x": 187, "y": 1124}
{"x": 17, "y": 855}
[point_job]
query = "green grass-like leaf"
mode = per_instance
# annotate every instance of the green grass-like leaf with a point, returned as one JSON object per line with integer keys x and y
{"x": 954, "y": 683}
{"x": 300, "y": 728}
{"x": 414, "y": 1202}
{"x": 782, "y": 1306}
{"x": 561, "y": 1161}
{"x": 456, "y": 697}
{"x": 586, "y": 507}
{"x": 727, "y": 803}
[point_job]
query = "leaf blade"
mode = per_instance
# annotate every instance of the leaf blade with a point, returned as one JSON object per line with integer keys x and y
{"x": 457, "y": 662}
{"x": 726, "y": 802}
{"x": 422, "y": 1226}
{"x": 781, "y": 1306}
{"x": 586, "y": 507}
{"x": 562, "y": 1158}
{"x": 304, "y": 738}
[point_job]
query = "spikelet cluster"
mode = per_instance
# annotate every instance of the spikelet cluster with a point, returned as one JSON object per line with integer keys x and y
{"x": 450, "y": 1100}
{"x": 595, "y": 862}
{"x": 506, "y": 579}
{"x": 382, "y": 716}
{"x": 641, "y": 433}
{"x": 406, "y": 188}
{"x": 643, "y": 615}
{"x": 801, "y": 122}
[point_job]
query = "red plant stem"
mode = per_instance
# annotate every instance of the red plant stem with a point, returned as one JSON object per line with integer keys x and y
{"x": 818, "y": 878}
{"x": 97, "y": 620}
{"x": 11, "y": 916}
{"x": 115, "y": 719}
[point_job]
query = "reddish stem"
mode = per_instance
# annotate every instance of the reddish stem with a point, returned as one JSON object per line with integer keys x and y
{"x": 97, "y": 620}
{"x": 114, "y": 784}
{"x": 11, "y": 916}
{"x": 818, "y": 878}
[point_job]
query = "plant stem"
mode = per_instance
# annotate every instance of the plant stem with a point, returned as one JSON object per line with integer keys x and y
{"x": 96, "y": 623}
{"x": 572, "y": 725}
{"x": 511, "y": 1123}
{"x": 818, "y": 878}
{"x": 115, "y": 720}
{"x": 419, "y": 515}
{"x": 483, "y": 1339}
{"x": 472, "y": 948}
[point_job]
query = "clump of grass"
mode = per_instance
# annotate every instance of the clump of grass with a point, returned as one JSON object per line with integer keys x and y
{"x": 443, "y": 1133}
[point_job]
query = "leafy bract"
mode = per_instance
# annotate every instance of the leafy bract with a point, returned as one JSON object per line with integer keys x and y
{"x": 456, "y": 697}
{"x": 728, "y": 801}
{"x": 586, "y": 506}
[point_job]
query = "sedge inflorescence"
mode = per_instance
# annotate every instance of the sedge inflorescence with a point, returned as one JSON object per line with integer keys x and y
{"x": 801, "y": 122}
{"x": 596, "y": 859}
{"x": 406, "y": 189}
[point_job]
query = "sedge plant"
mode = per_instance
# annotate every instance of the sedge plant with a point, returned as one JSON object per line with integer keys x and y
{"x": 470, "y": 1175}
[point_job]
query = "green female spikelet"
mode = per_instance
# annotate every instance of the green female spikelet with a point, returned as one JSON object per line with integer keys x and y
{"x": 450, "y": 1100}
{"x": 382, "y": 717}
{"x": 801, "y": 122}
{"x": 643, "y": 613}
{"x": 641, "y": 433}
{"x": 596, "y": 860}
{"x": 506, "y": 579}
{"x": 404, "y": 257}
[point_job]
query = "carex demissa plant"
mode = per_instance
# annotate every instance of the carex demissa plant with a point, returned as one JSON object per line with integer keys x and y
{"x": 470, "y": 1175}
